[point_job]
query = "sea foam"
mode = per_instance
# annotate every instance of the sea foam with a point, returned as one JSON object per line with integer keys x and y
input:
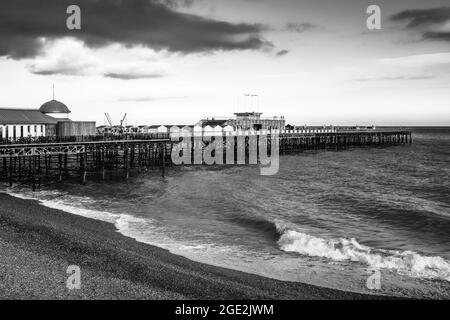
{"x": 403, "y": 262}
{"x": 60, "y": 203}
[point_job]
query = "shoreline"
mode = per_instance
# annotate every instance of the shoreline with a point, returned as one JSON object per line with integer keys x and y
{"x": 39, "y": 243}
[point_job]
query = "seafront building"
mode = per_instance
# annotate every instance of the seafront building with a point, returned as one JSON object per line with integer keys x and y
{"x": 50, "y": 120}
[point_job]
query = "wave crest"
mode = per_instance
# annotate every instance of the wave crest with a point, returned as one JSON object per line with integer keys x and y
{"x": 403, "y": 262}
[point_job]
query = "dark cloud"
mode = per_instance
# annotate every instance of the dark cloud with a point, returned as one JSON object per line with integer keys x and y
{"x": 300, "y": 27}
{"x": 148, "y": 99}
{"x": 437, "y": 36}
{"x": 426, "y": 21}
{"x": 424, "y": 17}
{"x": 177, "y": 3}
{"x": 282, "y": 53}
{"x": 150, "y": 23}
{"x": 131, "y": 75}
{"x": 63, "y": 71}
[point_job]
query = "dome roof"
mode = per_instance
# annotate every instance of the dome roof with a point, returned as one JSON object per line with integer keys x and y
{"x": 54, "y": 106}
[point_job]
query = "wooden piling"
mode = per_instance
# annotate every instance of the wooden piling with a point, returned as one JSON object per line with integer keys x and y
{"x": 60, "y": 167}
{"x": 163, "y": 158}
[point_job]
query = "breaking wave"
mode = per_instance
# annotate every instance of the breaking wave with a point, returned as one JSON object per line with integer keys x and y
{"x": 60, "y": 202}
{"x": 407, "y": 263}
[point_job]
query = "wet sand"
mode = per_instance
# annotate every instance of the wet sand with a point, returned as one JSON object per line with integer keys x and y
{"x": 37, "y": 244}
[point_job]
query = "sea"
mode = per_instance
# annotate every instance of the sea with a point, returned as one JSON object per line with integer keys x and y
{"x": 370, "y": 220}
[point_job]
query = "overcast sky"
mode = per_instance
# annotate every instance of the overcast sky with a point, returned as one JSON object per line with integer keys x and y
{"x": 177, "y": 61}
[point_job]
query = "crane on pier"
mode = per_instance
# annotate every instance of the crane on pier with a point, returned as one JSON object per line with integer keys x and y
{"x": 108, "y": 119}
{"x": 122, "y": 121}
{"x": 115, "y": 129}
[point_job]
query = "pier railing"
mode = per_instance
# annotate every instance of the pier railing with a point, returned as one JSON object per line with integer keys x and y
{"x": 90, "y": 138}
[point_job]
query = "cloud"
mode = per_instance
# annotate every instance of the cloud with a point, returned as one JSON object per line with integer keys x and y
{"x": 422, "y": 17}
{"x": 409, "y": 68}
{"x": 64, "y": 57}
{"x": 419, "y": 61}
{"x": 148, "y": 99}
{"x": 130, "y": 75}
{"x": 177, "y": 3}
{"x": 426, "y": 65}
{"x": 445, "y": 36}
{"x": 134, "y": 71}
{"x": 138, "y": 69}
{"x": 394, "y": 78}
{"x": 282, "y": 53}
{"x": 72, "y": 58}
{"x": 300, "y": 27}
{"x": 433, "y": 24}
{"x": 149, "y": 23}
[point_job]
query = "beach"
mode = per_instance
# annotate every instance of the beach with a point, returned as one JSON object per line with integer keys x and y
{"x": 38, "y": 244}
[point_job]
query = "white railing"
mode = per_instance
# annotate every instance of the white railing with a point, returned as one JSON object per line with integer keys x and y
{"x": 218, "y": 130}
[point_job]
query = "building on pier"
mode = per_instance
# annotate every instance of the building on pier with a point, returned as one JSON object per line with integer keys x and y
{"x": 246, "y": 121}
{"x": 19, "y": 123}
{"x": 50, "y": 120}
{"x": 309, "y": 129}
{"x": 348, "y": 128}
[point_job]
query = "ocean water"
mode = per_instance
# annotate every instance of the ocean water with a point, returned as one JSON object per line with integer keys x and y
{"x": 330, "y": 218}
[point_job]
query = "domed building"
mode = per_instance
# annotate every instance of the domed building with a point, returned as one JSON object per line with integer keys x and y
{"x": 50, "y": 120}
{"x": 55, "y": 109}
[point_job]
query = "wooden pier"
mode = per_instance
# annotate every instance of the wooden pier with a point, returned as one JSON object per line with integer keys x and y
{"x": 33, "y": 162}
{"x": 36, "y": 161}
{"x": 292, "y": 142}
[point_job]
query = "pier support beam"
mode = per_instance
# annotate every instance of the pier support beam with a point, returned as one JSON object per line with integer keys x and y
{"x": 60, "y": 166}
{"x": 83, "y": 159}
{"x": 10, "y": 173}
{"x": 163, "y": 158}
{"x": 33, "y": 174}
{"x": 126, "y": 163}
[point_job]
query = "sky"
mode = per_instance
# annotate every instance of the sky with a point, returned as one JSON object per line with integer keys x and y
{"x": 178, "y": 61}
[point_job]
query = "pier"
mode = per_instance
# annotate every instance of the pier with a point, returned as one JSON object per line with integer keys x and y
{"x": 32, "y": 162}
{"x": 35, "y": 161}
{"x": 292, "y": 142}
